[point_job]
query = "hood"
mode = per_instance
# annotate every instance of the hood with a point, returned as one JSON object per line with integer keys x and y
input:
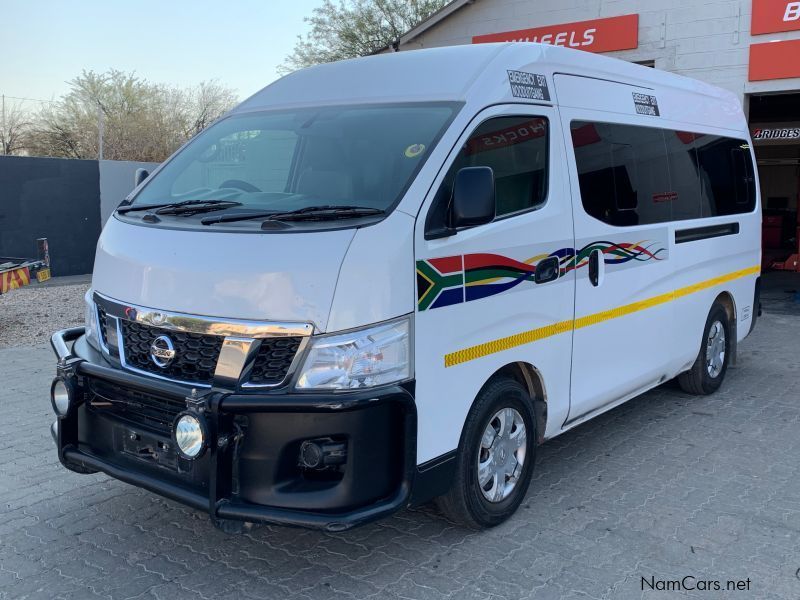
{"x": 275, "y": 277}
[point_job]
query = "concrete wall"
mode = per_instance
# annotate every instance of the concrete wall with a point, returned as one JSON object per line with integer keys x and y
{"x": 116, "y": 181}
{"x": 697, "y": 38}
{"x": 53, "y": 198}
{"x": 67, "y": 201}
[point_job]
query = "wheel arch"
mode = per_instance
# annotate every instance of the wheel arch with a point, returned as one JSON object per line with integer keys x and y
{"x": 531, "y": 378}
{"x": 728, "y": 302}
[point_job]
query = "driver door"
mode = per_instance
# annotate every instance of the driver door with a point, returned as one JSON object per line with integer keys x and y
{"x": 479, "y": 306}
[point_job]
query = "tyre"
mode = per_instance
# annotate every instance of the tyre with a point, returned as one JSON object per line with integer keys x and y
{"x": 495, "y": 457}
{"x": 709, "y": 368}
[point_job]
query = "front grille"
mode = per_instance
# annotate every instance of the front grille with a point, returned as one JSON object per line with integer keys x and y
{"x": 273, "y": 360}
{"x": 155, "y": 412}
{"x": 195, "y": 354}
{"x": 102, "y": 324}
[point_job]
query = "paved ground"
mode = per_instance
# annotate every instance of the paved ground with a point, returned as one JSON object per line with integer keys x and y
{"x": 664, "y": 487}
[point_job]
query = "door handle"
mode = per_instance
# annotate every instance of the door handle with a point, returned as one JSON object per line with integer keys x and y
{"x": 594, "y": 266}
{"x": 547, "y": 269}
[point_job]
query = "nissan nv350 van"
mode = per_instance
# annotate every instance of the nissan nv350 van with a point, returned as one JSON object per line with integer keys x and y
{"x": 386, "y": 280}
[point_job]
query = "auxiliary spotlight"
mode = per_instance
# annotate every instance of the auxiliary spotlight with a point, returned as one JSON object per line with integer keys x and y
{"x": 61, "y": 396}
{"x": 189, "y": 434}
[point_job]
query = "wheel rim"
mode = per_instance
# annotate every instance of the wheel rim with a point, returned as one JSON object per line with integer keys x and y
{"x": 715, "y": 349}
{"x": 501, "y": 454}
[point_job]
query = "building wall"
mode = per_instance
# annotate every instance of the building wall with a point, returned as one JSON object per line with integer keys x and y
{"x": 116, "y": 182}
{"x": 700, "y": 39}
{"x": 61, "y": 200}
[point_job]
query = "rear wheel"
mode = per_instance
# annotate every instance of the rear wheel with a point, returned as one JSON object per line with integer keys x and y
{"x": 706, "y": 375}
{"x": 495, "y": 459}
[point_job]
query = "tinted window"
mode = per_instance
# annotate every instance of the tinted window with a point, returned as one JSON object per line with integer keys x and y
{"x": 631, "y": 175}
{"x": 726, "y": 175}
{"x": 685, "y": 199}
{"x": 516, "y": 150}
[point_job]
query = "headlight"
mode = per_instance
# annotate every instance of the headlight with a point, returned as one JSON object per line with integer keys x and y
{"x": 90, "y": 319}
{"x": 363, "y": 358}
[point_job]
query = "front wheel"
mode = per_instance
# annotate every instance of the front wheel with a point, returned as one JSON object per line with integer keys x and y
{"x": 706, "y": 375}
{"x": 496, "y": 457}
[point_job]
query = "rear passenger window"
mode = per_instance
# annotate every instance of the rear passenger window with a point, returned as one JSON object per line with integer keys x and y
{"x": 516, "y": 150}
{"x": 631, "y": 175}
{"x": 726, "y": 175}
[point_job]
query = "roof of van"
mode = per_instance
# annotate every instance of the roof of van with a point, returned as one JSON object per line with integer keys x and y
{"x": 455, "y": 73}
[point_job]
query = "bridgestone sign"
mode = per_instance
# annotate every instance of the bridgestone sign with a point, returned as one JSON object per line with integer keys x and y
{"x": 788, "y": 133}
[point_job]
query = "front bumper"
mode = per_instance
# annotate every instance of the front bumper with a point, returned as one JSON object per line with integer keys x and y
{"x": 250, "y": 470}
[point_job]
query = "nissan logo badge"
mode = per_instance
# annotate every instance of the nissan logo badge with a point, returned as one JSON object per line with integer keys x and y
{"x": 162, "y": 351}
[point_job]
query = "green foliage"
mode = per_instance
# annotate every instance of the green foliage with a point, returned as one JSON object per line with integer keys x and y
{"x": 354, "y": 28}
{"x": 141, "y": 120}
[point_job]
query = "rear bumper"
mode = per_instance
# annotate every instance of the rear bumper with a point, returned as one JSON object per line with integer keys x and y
{"x": 250, "y": 470}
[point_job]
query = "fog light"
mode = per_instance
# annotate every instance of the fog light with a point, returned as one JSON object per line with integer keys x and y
{"x": 60, "y": 396}
{"x": 310, "y": 455}
{"x": 189, "y": 434}
{"x": 322, "y": 452}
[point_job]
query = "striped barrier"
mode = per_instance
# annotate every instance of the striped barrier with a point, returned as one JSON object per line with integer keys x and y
{"x": 14, "y": 278}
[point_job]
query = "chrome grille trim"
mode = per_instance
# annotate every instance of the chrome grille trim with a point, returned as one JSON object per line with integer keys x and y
{"x": 203, "y": 325}
{"x": 233, "y": 330}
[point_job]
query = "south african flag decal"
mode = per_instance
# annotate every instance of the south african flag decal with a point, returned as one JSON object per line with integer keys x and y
{"x": 440, "y": 282}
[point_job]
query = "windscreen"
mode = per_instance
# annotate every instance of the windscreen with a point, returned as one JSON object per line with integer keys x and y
{"x": 287, "y": 160}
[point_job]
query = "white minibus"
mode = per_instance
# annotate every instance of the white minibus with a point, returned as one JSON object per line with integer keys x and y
{"x": 387, "y": 280}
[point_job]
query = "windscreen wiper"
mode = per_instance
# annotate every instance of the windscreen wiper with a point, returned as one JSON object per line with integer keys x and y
{"x": 309, "y": 213}
{"x": 186, "y": 207}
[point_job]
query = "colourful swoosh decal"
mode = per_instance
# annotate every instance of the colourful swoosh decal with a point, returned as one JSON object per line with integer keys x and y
{"x": 464, "y": 278}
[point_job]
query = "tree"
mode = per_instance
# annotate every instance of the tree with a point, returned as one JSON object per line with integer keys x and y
{"x": 356, "y": 28}
{"x": 141, "y": 121}
{"x": 14, "y": 127}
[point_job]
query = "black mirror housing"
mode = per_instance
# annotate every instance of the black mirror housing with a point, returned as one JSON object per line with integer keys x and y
{"x": 140, "y": 176}
{"x": 473, "y": 197}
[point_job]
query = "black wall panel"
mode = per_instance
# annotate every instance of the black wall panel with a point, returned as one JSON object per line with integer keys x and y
{"x": 54, "y": 198}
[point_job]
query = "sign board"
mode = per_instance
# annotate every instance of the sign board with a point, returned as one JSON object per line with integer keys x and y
{"x": 597, "y": 35}
{"x": 775, "y": 133}
{"x": 774, "y": 60}
{"x": 771, "y": 16}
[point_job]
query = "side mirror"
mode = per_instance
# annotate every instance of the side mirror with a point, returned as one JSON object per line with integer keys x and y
{"x": 473, "y": 197}
{"x": 140, "y": 176}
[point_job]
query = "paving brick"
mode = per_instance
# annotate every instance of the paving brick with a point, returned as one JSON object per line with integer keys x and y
{"x": 665, "y": 485}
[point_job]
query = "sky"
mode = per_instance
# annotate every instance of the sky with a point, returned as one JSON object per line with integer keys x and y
{"x": 183, "y": 42}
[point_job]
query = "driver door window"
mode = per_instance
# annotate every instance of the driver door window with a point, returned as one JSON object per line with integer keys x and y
{"x": 516, "y": 150}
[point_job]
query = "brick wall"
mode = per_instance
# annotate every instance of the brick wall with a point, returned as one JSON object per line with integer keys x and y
{"x": 705, "y": 40}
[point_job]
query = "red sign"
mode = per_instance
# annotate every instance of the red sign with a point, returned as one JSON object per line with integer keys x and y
{"x": 597, "y": 35}
{"x": 774, "y": 60}
{"x": 665, "y": 197}
{"x": 492, "y": 140}
{"x": 770, "y": 16}
{"x": 585, "y": 135}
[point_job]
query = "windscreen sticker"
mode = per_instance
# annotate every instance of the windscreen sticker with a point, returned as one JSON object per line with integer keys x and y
{"x": 414, "y": 150}
{"x": 528, "y": 85}
{"x": 646, "y": 104}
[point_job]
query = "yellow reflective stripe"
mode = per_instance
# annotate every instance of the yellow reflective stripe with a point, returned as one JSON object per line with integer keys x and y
{"x": 540, "y": 333}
